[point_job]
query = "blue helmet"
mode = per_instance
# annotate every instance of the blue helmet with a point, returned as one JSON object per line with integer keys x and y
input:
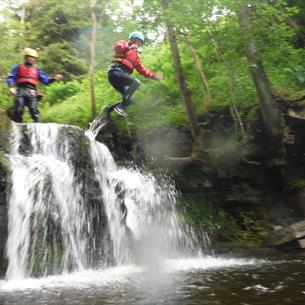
{"x": 138, "y": 35}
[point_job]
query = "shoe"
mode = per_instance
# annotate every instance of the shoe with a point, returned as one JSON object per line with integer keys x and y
{"x": 119, "y": 110}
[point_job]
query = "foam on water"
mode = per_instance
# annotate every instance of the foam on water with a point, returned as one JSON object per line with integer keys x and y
{"x": 122, "y": 274}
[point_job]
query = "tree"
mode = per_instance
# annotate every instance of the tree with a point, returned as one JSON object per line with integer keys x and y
{"x": 54, "y": 28}
{"x": 11, "y": 31}
{"x": 197, "y": 149}
{"x": 204, "y": 81}
{"x": 92, "y": 61}
{"x": 227, "y": 60}
{"x": 271, "y": 114}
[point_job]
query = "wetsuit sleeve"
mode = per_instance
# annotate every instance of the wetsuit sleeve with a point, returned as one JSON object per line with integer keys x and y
{"x": 44, "y": 78}
{"x": 141, "y": 69}
{"x": 12, "y": 77}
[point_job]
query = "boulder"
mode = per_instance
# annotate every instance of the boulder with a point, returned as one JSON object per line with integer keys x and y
{"x": 287, "y": 234}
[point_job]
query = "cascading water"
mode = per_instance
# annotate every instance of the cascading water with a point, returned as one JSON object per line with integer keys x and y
{"x": 111, "y": 234}
{"x": 68, "y": 214}
{"x": 48, "y": 224}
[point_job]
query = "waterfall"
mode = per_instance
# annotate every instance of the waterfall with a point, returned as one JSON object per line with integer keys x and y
{"x": 72, "y": 208}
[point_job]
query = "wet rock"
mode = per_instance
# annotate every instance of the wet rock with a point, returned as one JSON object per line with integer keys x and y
{"x": 4, "y": 132}
{"x": 4, "y": 184}
{"x": 165, "y": 141}
{"x": 249, "y": 171}
{"x": 3, "y": 238}
{"x": 287, "y": 234}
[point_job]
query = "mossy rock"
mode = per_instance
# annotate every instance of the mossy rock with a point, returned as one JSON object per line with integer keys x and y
{"x": 4, "y": 149}
{"x": 5, "y": 126}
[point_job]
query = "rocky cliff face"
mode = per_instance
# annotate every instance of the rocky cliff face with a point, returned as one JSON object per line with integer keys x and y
{"x": 238, "y": 174}
{"x": 4, "y": 184}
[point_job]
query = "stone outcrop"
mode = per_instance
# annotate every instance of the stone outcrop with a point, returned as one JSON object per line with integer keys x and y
{"x": 238, "y": 171}
{"x": 293, "y": 232}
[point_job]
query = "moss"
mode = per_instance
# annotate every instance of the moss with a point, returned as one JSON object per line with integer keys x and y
{"x": 252, "y": 114}
{"x": 47, "y": 262}
{"x": 240, "y": 226}
{"x": 296, "y": 183}
{"x": 3, "y": 267}
{"x": 240, "y": 191}
{"x": 4, "y": 132}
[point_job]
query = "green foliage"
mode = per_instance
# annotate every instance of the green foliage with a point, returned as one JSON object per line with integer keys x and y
{"x": 297, "y": 183}
{"x": 251, "y": 232}
{"x": 69, "y": 103}
{"x": 238, "y": 226}
{"x": 62, "y": 29}
{"x": 6, "y": 100}
{"x": 75, "y": 109}
{"x": 61, "y": 58}
{"x": 59, "y": 92}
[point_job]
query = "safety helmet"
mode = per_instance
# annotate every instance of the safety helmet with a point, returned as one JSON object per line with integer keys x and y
{"x": 138, "y": 35}
{"x": 30, "y": 52}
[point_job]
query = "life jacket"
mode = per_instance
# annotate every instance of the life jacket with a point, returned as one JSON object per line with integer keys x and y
{"x": 27, "y": 75}
{"x": 124, "y": 55}
{"x": 128, "y": 56}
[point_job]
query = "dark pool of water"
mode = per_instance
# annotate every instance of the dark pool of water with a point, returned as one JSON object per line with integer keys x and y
{"x": 275, "y": 281}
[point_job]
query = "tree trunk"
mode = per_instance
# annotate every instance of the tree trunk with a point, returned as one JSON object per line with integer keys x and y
{"x": 272, "y": 116}
{"x": 204, "y": 82}
{"x": 92, "y": 57}
{"x": 233, "y": 108}
{"x": 187, "y": 99}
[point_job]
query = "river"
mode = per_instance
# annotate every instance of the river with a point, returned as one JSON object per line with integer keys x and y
{"x": 210, "y": 280}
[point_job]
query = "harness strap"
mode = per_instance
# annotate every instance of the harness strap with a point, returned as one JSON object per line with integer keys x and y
{"x": 119, "y": 59}
{"x": 27, "y": 76}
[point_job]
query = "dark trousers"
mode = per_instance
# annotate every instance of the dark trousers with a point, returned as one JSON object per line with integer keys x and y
{"x": 123, "y": 83}
{"x": 25, "y": 97}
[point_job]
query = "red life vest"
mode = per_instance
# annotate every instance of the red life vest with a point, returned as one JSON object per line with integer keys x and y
{"x": 129, "y": 57}
{"x": 27, "y": 75}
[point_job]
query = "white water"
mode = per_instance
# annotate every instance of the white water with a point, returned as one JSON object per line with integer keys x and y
{"x": 123, "y": 274}
{"x": 52, "y": 227}
{"x": 44, "y": 192}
